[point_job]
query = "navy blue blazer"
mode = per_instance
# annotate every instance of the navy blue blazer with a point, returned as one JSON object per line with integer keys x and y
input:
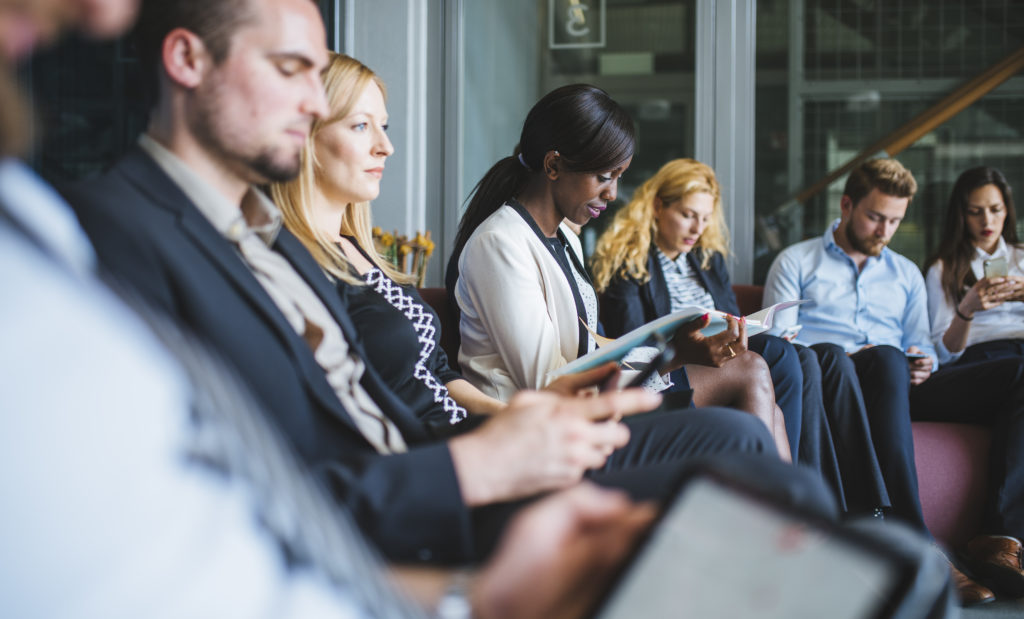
{"x": 149, "y": 235}
{"x": 627, "y": 304}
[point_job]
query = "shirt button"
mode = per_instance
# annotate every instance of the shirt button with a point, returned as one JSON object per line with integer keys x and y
{"x": 424, "y": 554}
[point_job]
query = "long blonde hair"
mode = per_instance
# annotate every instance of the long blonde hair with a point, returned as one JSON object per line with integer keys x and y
{"x": 623, "y": 248}
{"x": 344, "y": 79}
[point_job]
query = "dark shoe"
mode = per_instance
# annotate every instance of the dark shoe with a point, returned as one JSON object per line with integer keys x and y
{"x": 970, "y": 592}
{"x": 996, "y": 560}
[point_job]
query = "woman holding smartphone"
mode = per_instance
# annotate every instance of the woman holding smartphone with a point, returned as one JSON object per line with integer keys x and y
{"x": 975, "y": 280}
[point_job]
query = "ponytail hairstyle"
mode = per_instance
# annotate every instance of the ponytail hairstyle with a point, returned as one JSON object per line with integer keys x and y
{"x": 956, "y": 249}
{"x": 623, "y": 248}
{"x": 345, "y": 79}
{"x": 590, "y": 131}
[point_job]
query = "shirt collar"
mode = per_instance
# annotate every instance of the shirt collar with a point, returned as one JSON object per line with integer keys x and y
{"x": 1000, "y": 250}
{"x": 226, "y": 217}
{"x": 39, "y": 209}
{"x": 679, "y": 261}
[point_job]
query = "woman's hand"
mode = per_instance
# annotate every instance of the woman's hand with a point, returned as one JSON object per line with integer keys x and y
{"x": 692, "y": 346}
{"x": 988, "y": 292}
{"x": 1016, "y": 288}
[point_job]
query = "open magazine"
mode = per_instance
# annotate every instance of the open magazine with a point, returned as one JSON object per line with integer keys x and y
{"x": 617, "y": 349}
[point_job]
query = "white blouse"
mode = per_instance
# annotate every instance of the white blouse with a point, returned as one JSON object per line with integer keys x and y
{"x": 999, "y": 323}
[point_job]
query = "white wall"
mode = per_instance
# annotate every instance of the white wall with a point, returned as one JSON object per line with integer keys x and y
{"x": 402, "y": 41}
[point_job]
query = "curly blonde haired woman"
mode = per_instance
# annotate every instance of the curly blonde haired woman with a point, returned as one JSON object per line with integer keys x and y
{"x": 665, "y": 250}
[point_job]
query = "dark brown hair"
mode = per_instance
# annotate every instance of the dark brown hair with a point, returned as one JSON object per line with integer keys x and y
{"x": 213, "y": 21}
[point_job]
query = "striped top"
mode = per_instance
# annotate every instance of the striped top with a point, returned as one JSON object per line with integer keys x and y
{"x": 684, "y": 285}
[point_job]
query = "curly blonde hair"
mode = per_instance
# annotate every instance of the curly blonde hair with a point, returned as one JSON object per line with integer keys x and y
{"x": 623, "y": 248}
{"x": 344, "y": 79}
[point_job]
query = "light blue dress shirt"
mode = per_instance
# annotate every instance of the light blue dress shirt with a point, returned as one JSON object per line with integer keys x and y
{"x": 883, "y": 303}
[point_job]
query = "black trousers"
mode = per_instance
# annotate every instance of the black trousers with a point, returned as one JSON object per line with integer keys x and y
{"x": 664, "y": 445}
{"x": 984, "y": 392}
{"x": 994, "y": 349}
{"x": 797, "y": 376}
{"x": 846, "y": 446}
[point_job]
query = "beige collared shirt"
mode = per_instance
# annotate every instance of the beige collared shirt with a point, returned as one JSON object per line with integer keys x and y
{"x": 300, "y": 305}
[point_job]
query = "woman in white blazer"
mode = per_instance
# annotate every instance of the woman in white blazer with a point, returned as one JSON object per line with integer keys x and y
{"x": 516, "y": 273}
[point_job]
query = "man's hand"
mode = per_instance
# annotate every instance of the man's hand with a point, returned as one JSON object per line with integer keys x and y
{"x": 920, "y": 369}
{"x": 692, "y": 346}
{"x": 542, "y": 441}
{"x": 559, "y": 554}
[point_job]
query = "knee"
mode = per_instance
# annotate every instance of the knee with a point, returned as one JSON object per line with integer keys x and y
{"x": 745, "y": 431}
{"x": 752, "y": 363}
{"x": 887, "y": 354}
{"x": 887, "y": 361}
{"x": 755, "y": 371}
{"x": 809, "y": 363}
{"x": 774, "y": 349}
{"x": 831, "y": 355}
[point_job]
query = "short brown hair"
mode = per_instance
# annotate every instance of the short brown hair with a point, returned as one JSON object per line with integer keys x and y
{"x": 213, "y": 21}
{"x": 886, "y": 175}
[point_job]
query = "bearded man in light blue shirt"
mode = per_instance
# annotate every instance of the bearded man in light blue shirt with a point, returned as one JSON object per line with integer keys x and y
{"x": 868, "y": 316}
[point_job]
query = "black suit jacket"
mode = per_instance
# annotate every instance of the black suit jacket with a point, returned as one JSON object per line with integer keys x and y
{"x": 149, "y": 235}
{"x": 628, "y": 304}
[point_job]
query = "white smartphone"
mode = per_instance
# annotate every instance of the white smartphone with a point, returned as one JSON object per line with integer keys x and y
{"x": 996, "y": 267}
{"x": 791, "y": 566}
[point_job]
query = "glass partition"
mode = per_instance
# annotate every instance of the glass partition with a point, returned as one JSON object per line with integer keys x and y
{"x": 88, "y": 105}
{"x": 835, "y": 76}
{"x": 640, "y": 51}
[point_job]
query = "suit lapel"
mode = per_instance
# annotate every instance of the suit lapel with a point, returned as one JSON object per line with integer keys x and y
{"x": 656, "y": 287}
{"x": 151, "y": 180}
{"x": 712, "y": 287}
{"x": 292, "y": 249}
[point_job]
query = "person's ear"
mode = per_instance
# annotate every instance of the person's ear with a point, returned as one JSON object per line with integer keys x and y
{"x": 846, "y": 206}
{"x": 552, "y": 163}
{"x": 185, "y": 58}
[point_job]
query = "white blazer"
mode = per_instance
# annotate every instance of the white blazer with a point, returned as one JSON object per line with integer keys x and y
{"x": 519, "y": 320}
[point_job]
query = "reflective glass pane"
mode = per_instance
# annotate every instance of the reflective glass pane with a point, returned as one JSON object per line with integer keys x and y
{"x": 640, "y": 51}
{"x": 835, "y": 76}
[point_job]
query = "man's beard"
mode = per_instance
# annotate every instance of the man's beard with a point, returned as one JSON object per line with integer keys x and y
{"x": 266, "y": 165}
{"x": 273, "y": 171}
{"x": 862, "y": 246}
